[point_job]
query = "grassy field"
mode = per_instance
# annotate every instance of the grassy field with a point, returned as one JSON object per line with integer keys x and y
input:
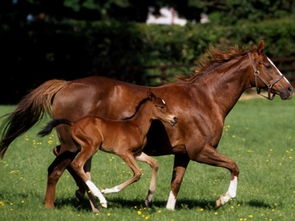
{"x": 259, "y": 136}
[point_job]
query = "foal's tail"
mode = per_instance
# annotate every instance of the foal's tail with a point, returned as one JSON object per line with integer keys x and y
{"x": 52, "y": 124}
{"x": 29, "y": 111}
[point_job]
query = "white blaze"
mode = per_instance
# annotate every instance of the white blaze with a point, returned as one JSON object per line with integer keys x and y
{"x": 278, "y": 70}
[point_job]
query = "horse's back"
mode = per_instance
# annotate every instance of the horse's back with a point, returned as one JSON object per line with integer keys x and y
{"x": 98, "y": 96}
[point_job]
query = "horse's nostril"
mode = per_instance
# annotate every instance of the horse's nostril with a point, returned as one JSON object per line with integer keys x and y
{"x": 175, "y": 119}
{"x": 290, "y": 89}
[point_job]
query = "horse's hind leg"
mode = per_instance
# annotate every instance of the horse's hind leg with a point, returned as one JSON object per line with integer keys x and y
{"x": 209, "y": 155}
{"x": 79, "y": 182}
{"x": 55, "y": 170}
{"x": 81, "y": 185}
{"x": 78, "y": 166}
{"x": 153, "y": 183}
{"x": 82, "y": 188}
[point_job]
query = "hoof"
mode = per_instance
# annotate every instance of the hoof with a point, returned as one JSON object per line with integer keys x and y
{"x": 149, "y": 198}
{"x": 95, "y": 210}
{"x": 170, "y": 208}
{"x": 218, "y": 203}
{"x": 104, "y": 205}
{"x": 49, "y": 205}
{"x": 223, "y": 199}
{"x": 147, "y": 203}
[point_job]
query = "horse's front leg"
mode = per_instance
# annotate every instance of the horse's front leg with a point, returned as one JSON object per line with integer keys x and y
{"x": 209, "y": 155}
{"x": 180, "y": 164}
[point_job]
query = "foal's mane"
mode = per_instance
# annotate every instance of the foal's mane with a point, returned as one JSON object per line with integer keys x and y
{"x": 137, "y": 108}
{"x": 213, "y": 58}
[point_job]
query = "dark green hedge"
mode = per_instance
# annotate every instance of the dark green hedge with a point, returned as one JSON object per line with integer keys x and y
{"x": 34, "y": 52}
{"x": 133, "y": 43}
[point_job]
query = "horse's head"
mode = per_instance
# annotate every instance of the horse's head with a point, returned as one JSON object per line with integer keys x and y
{"x": 160, "y": 110}
{"x": 267, "y": 75}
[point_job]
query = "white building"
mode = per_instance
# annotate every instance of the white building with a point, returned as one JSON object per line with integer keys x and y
{"x": 169, "y": 16}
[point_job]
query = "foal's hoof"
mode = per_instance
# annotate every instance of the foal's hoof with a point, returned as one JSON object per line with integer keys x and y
{"x": 218, "y": 203}
{"x": 95, "y": 210}
{"x": 147, "y": 203}
{"x": 104, "y": 205}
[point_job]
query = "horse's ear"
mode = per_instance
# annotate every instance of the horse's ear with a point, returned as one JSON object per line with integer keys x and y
{"x": 151, "y": 95}
{"x": 260, "y": 47}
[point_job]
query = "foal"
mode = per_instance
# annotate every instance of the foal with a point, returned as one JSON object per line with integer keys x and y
{"x": 124, "y": 138}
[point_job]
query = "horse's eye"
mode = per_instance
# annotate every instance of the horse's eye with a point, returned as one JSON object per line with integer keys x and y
{"x": 268, "y": 66}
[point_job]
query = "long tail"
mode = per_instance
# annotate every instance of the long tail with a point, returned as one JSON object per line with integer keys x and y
{"x": 52, "y": 124}
{"x": 29, "y": 111}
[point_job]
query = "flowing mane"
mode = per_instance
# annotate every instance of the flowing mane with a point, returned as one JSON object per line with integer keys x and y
{"x": 213, "y": 58}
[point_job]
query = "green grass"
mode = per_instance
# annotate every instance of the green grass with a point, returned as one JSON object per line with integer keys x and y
{"x": 259, "y": 136}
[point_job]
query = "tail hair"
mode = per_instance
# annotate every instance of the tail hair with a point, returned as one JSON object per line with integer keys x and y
{"x": 29, "y": 111}
{"x": 52, "y": 124}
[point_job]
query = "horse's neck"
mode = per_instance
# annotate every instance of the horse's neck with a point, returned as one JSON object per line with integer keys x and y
{"x": 143, "y": 117}
{"x": 227, "y": 83}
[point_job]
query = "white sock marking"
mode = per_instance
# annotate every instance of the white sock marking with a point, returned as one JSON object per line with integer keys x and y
{"x": 114, "y": 189}
{"x": 232, "y": 189}
{"x": 96, "y": 193}
{"x": 171, "y": 201}
{"x": 231, "y": 192}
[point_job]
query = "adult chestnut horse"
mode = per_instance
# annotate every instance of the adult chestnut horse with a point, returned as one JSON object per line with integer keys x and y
{"x": 201, "y": 103}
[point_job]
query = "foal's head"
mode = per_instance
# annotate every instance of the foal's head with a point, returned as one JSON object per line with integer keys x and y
{"x": 160, "y": 110}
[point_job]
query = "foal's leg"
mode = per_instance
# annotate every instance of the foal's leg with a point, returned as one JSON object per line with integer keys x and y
{"x": 155, "y": 167}
{"x": 209, "y": 155}
{"x": 131, "y": 162}
{"x": 180, "y": 164}
{"x": 78, "y": 166}
{"x": 81, "y": 185}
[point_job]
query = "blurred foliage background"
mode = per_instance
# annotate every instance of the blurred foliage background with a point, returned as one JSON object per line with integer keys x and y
{"x": 69, "y": 39}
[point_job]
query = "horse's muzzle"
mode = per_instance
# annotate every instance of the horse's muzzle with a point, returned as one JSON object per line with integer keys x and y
{"x": 286, "y": 93}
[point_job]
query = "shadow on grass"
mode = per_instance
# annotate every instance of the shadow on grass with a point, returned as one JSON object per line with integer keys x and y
{"x": 73, "y": 202}
{"x": 118, "y": 202}
{"x": 258, "y": 204}
{"x": 127, "y": 203}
